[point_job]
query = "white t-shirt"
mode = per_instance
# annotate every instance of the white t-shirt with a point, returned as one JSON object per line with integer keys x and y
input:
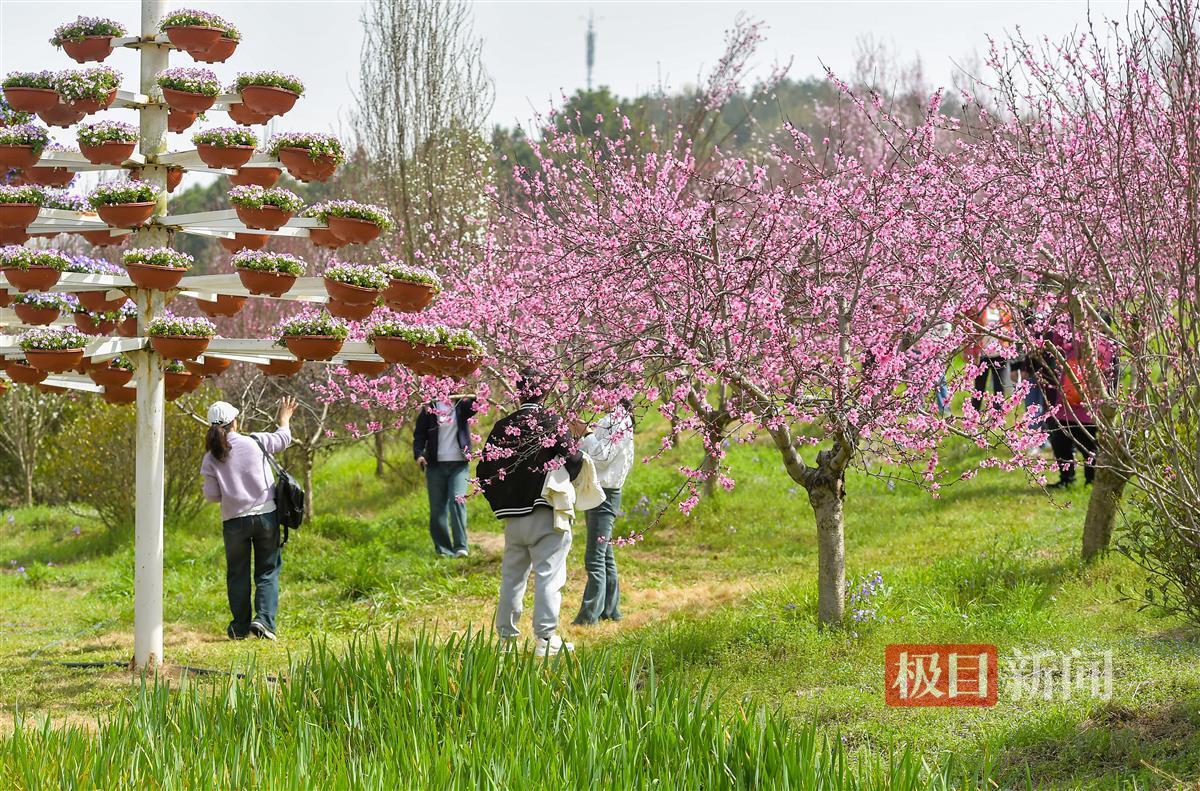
{"x": 448, "y": 448}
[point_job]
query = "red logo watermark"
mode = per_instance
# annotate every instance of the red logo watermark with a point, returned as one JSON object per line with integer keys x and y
{"x": 940, "y": 675}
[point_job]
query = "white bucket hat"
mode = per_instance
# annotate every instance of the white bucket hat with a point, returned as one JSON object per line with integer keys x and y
{"x": 222, "y": 413}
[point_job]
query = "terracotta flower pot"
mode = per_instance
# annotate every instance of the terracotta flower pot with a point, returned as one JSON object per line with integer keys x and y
{"x": 91, "y": 105}
{"x": 303, "y": 167}
{"x": 179, "y": 121}
{"x": 174, "y": 177}
{"x": 241, "y": 114}
{"x": 17, "y": 157}
{"x": 456, "y": 362}
{"x": 55, "y": 362}
{"x": 224, "y": 305}
{"x": 31, "y": 100}
{"x": 405, "y": 297}
{"x": 158, "y": 278}
{"x": 97, "y": 302}
{"x": 18, "y": 215}
{"x": 270, "y": 284}
{"x": 187, "y": 102}
{"x": 6, "y": 299}
{"x": 13, "y": 236}
{"x": 353, "y": 230}
{"x": 91, "y": 49}
{"x": 193, "y": 38}
{"x": 268, "y": 218}
{"x": 103, "y": 238}
{"x": 268, "y": 99}
{"x": 91, "y": 325}
{"x": 128, "y": 327}
{"x": 35, "y": 315}
{"x": 224, "y": 156}
{"x": 367, "y": 367}
{"x": 280, "y": 367}
{"x": 49, "y": 177}
{"x": 398, "y": 350}
{"x": 110, "y": 153}
{"x": 322, "y": 237}
{"x": 107, "y": 376}
{"x": 25, "y": 374}
{"x": 127, "y": 215}
{"x": 35, "y": 278}
{"x": 350, "y": 312}
{"x": 51, "y": 389}
{"x": 179, "y": 347}
{"x": 177, "y": 383}
{"x": 263, "y": 177}
{"x": 212, "y": 366}
{"x": 245, "y": 241}
{"x": 314, "y": 347}
{"x": 63, "y": 115}
{"x": 119, "y": 395}
{"x": 350, "y": 294}
{"x": 217, "y": 53}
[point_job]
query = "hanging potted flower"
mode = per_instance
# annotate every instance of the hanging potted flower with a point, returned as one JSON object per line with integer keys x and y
{"x": 32, "y": 270}
{"x": 308, "y": 156}
{"x": 189, "y": 90}
{"x": 223, "y": 305}
{"x": 87, "y": 90}
{"x": 177, "y": 380}
{"x": 125, "y": 204}
{"x": 208, "y": 366}
{"x": 371, "y": 368}
{"x": 268, "y": 92}
{"x": 321, "y": 237}
{"x": 117, "y": 372}
{"x": 37, "y": 308}
{"x": 119, "y": 396}
{"x": 353, "y": 222}
{"x": 158, "y": 268}
{"x": 30, "y": 91}
{"x": 193, "y": 30}
{"x": 49, "y": 175}
{"x": 103, "y": 238}
{"x": 62, "y": 115}
{"x": 95, "y": 301}
{"x": 266, "y": 209}
{"x": 354, "y": 284}
{"x": 256, "y": 175}
{"x": 107, "y": 142}
{"x": 94, "y": 323}
{"x": 280, "y": 367}
{"x": 265, "y": 273}
{"x": 244, "y": 241}
{"x": 21, "y": 145}
{"x": 127, "y": 320}
{"x": 180, "y": 337}
{"x": 54, "y": 350}
{"x": 180, "y": 121}
{"x": 316, "y": 337}
{"x": 405, "y": 344}
{"x": 225, "y": 146}
{"x": 88, "y": 38}
{"x": 410, "y": 288}
{"x": 457, "y": 353}
{"x": 19, "y": 206}
{"x": 225, "y": 46}
{"x": 174, "y": 176}
{"x": 21, "y": 372}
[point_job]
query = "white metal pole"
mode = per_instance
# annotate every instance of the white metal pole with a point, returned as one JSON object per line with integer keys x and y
{"x": 148, "y": 533}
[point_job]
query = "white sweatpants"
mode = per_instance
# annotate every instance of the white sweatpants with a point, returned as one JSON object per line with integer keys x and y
{"x": 532, "y": 543}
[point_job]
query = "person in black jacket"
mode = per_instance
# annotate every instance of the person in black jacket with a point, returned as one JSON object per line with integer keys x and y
{"x": 441, "y": 443}
{"x": 521, "y": 449}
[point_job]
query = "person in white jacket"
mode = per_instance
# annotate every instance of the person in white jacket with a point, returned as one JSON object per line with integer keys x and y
{"x": 609, "y": 444}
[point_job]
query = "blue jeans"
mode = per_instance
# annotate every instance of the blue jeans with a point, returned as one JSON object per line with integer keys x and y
{"x": 1035, "y": 403}
{"x": 257, "y": 535}
{"x": 446, "y": 481}
{"x": 602, "y": 595}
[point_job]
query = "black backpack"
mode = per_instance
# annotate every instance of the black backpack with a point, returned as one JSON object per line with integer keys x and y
{"x": 289, "y": 496}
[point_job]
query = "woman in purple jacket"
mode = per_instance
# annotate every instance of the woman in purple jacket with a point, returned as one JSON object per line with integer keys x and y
{"x": 237, "y": 475}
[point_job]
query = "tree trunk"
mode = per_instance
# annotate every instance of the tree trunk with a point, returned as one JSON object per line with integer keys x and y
{"x": 709, "y": 468}
{"x": 1102, "y": 511}
{"x": 29, "y": 485}
{"x": 826, "y": 501}
{"x": 380, "y": 454}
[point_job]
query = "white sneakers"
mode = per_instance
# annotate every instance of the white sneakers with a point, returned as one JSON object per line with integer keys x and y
{"x": 552, "y": 646}
{"x": 260, "y": 631}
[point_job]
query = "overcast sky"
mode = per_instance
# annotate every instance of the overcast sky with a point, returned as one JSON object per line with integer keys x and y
{"x": 535, "y": 51}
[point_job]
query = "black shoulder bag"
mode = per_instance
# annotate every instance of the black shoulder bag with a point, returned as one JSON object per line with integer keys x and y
{"x": 289, "y": 495}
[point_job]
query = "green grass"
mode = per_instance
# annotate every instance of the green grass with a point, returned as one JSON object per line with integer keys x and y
{"x": 726, "y": 595}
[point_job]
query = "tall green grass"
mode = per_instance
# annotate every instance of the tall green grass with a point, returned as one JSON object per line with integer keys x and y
{"x": 389, "y": 714}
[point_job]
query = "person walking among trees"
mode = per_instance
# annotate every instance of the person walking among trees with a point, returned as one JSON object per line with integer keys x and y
{"x": 1074, "y": 428}
{"x": 441, "y": 445}
{"x": 988, "y": 351}
{"x": 609, "y": 444}
{"x": 236, "y": 475}
{"x": 521, "y": 449}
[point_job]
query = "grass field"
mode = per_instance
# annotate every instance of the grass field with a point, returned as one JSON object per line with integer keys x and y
{"x": 721, "y": 600}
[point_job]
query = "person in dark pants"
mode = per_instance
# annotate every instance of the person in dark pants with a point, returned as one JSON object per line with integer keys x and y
{"x": 237, "y": 475}
{"x": 1074, "y": 428}
{"x": 610, "y": 446}
{"x": 441, "y": 443}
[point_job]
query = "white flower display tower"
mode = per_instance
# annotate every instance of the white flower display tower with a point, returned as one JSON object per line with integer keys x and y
{"x": 153, "y": 161}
